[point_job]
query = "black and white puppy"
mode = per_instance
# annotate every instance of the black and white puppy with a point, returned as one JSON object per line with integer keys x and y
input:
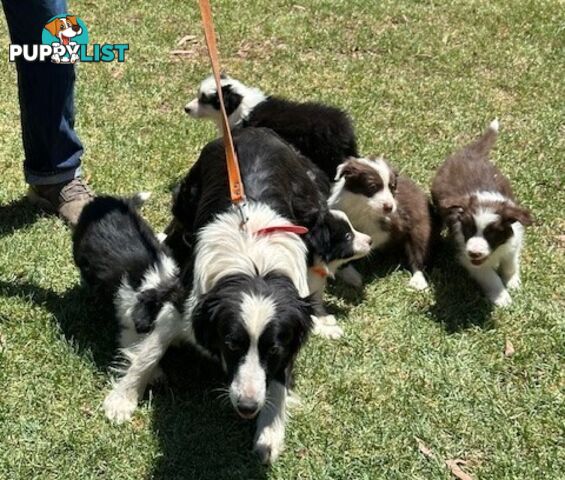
{"x": 293, "y": 186}
{"x": 322, "y": 133}
{"x": 476, "y": 202}
{"x": 392, "y": 209}
{"x": 119, "y": 256}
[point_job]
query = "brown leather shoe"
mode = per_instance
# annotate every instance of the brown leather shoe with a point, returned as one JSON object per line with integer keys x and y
{"x": 66, "y": 199}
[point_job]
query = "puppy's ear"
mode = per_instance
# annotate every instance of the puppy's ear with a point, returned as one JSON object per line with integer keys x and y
{"x": 318, "y": 238}
{"x": 232, "y": 100}
{"x": 347, "y": 170}
{"x": 205, "y": 321}
{"x": 454, "y": 207}
{"x": 53, "y": 27}
{"x": 515, "y": 213}
{"x": 393, "y": 182}
{"x": 72, "y": 19}
{"x": 339, "y": 171}
{"x": 307, "y": 306}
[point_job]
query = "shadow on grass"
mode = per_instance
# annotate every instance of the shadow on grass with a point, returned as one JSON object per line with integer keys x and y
{"x": 377, "y": 266}
{"x": 17, "y": 214}
{"x": 200, "y": 435}
{"x": 86, "y": 323}
{"x": 459, "y": 301}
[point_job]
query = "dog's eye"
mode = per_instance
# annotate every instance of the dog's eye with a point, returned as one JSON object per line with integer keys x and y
{"x": 349, "y": 236}
{"x": 231, "y": 346}
{"x": 274, "y": 350}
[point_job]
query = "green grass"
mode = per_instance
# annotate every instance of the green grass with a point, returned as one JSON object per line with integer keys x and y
{"x": 419, "y": 78}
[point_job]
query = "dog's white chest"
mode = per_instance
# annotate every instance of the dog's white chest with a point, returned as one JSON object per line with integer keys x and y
{"x": 374, "y": 228}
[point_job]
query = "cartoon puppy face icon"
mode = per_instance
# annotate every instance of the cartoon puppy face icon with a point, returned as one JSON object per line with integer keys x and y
{"x": 64, "y": 28}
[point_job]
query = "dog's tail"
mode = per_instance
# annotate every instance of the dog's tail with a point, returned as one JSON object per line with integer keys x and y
{"x": 139, "y": 199}
{"x": 483, "y": 145}
{"x": 167, "y": 288}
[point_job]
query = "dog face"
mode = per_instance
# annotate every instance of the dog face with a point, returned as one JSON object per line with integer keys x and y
{"x": 371, "y": 183}
{"x": 483, "y": 222}
{"x": 207, "y": 103}
{"x": 336, "y": 242}
{"x": 239, "y": 100}
{"x": 256, "y": 325}
{"x": 64, "y": 28}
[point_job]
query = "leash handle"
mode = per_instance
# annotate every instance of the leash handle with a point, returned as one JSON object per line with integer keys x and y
{"x": 237, "y": 192}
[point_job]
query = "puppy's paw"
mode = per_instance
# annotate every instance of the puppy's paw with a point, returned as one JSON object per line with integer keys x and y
{"x": 514, "y": 282}
{"x": 327, "y": 320}
{"x": 501, "y": 299}
{"x": 119, "y": 407}
{"x": 327, "y": 327}
{"x": 269, "y": 444}
{"x": 418, "y": 281}
{"x": 351, "y": 276}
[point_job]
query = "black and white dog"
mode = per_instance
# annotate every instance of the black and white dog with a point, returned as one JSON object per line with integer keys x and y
{"x": 249, "y": 305}
{"x": 476, "y": 202}
{"x": 293, "y": 186}
{"x": 119, "y": 256}
{"x": 322, "y": 133}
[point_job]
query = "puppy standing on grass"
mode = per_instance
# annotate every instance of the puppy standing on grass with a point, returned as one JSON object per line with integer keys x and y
{"x": 390, "y": 208}
{"x": 119, "y": 256}
{"x": 476, "y": 202}
{"x": 320, "y": 132}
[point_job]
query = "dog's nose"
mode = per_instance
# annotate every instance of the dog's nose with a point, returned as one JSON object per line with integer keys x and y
{"x": 474, "y": 254}
{"x": 247, "y": 408}
{"x": 76, "y": 28}
{"x": 370, "y": 241}
{"x": 387, "y": 207}
{"x": 187, "y": 109}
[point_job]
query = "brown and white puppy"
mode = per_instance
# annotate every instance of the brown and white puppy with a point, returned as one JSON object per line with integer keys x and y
{"x": 476, "y": 202}
{"x": 390, "y": 208}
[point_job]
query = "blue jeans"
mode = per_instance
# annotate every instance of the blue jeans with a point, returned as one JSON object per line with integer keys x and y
{"x": 46, "y": 94}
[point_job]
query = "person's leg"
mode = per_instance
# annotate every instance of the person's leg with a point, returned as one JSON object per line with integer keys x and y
{"x": 51, "y": 145}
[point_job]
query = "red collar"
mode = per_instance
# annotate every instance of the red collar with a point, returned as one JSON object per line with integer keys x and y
{"x": 320, "y": 271}
{"x": 283, "y": 228}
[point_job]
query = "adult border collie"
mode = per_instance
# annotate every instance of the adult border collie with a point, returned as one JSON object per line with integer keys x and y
{"x": 249, "y": 305}
{"x": 476, "y": 202}
{"x": 121, "y": 259}
{"x": 274, "y": 173}
{"x": 322, "y": 133}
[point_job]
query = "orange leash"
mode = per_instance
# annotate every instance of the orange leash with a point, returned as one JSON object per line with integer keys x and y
{"x": 237, "y": 192}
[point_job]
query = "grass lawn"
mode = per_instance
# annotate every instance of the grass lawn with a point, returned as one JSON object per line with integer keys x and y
{"x": 419, "y": 78}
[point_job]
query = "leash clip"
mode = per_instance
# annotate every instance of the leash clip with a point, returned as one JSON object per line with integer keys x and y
{"x": 241, "y": 207}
